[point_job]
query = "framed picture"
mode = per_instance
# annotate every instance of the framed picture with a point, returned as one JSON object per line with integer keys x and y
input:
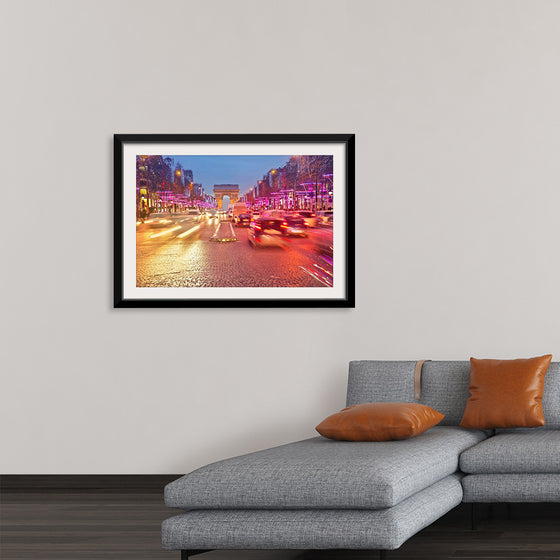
{"x": 228, "y": 220}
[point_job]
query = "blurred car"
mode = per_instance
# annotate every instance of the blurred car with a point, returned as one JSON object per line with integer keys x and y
{"x": 325, "y": 217}
{"x": 194, "y": 213}
{"x": 256, "y": 215}
{"x": 243, "y": 220}
{"x": 310, "y": 218}
{"x": 274, "y": 213}
{"x": 266, "y": 231}
{"x": 323, "y": 240}
{"x": 294, "y": 226}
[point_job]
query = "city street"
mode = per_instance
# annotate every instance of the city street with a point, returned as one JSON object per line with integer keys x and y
{"x": 176, "y": 250}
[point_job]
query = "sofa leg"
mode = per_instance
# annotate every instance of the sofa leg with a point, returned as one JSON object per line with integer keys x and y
{"x": 186, "y": 554}
{"x": 474, "y": 517}
{"x": 508, "y": 511}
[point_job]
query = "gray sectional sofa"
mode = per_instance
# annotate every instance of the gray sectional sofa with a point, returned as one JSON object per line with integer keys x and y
{"x": 325, "y": 494}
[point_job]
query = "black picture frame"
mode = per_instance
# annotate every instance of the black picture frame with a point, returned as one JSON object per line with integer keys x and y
{"x": 345, "y": 144}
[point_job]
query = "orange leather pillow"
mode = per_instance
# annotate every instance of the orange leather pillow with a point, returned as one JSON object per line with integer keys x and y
{"x": 383, "y": 421}
{"x": 506, "y": 393}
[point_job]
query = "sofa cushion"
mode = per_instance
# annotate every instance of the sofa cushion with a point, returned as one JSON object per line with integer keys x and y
{"x": 325, "y": 474}
{"x": 529, "y": 451}
{"x": 491, "y": 488}
{"x": 312, "y": 529}
{"x": 445, "y": 387}
{"x": 506, "y": 393}
{"x": 379, "y": 422}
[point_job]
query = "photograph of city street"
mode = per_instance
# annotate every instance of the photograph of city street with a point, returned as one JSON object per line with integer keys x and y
{"x": 234, "y": 221}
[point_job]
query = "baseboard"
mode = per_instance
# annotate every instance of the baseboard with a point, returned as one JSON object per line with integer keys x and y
{"x": 113, "y": 482}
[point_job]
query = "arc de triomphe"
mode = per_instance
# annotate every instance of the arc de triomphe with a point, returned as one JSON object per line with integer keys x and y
{"x": 226, "y": 190}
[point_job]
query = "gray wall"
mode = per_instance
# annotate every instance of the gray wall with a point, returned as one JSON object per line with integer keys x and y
{"x": 456, "y": 114}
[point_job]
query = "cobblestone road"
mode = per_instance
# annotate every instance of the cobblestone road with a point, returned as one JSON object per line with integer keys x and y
{"x": 178, "y": 252}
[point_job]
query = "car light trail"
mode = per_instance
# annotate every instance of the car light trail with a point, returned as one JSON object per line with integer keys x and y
{"x": 317, "y": 277}
{"x": 165, "y": 232}
{"x": 324, "y": 271}
{"x": 188, "y": 232}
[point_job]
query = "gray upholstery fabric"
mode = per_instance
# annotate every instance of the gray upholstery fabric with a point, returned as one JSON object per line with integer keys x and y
{"x": 551, "y": 396}
{"x": 511, "y": 488}
{"x": 312, "y": 529}
{"x": 444, "y": 387}
{"x": 375, "y": 381}
{"x": 324, "y": 474}
{"x": 535, "y": 451}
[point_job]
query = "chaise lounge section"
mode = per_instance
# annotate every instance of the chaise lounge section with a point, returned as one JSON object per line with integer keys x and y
{"x": 326, "y": 494}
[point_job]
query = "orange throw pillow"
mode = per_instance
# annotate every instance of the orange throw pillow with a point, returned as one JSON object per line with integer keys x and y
{"x": 506, "y": 393}
{"x": 383, "y": 421}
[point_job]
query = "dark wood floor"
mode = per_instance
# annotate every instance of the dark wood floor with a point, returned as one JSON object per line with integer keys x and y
{"x": 60, "y": 525}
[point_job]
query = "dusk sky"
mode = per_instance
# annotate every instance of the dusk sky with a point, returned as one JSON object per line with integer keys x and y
{"x": 244, "y": 171}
